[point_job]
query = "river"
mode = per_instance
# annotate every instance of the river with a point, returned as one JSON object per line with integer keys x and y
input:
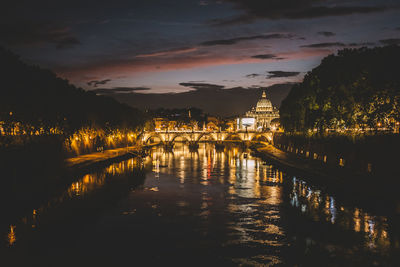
{"x": 198, "y": 208}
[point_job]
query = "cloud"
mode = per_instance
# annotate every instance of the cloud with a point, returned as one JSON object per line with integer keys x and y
{"x": 267, "y": 56}
{"x": 299, "y": 9}
{"x": 281, "y": 74}
{"x": 253, "y": 75}
{"x": 226, "y": 102}
{"x": 392, "y": 41}
{"x": 324, "y": 45}
{"x": 326, "y": 34}
{"x": 116, "y": 67}
{"x": 176, "y": 51}
{"x": 96, "y": 82}
{"x": 361, "y": 44}
{"x": 233, "y": 41}
{"x": 336, "y": 44}
{"x": 202, "y": 86}
{"x": 28, "y": 33}
{"x": 117, "y": 90}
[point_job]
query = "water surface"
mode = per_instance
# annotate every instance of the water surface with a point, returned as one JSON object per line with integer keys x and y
{"x": 197, "y": 208}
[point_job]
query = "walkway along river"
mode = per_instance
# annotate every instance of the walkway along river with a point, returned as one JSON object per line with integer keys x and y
{"x": 197, "y": 208}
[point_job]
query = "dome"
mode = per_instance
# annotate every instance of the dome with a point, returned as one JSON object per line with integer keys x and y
{"x": 264, "y": 104}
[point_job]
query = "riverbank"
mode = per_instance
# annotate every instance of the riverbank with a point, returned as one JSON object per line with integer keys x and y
{"x": 30, "y": 184}
{"x": 366, "y": 190}
{"x": 97, "y": 158}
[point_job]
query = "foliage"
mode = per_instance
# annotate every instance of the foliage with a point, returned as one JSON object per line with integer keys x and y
{"x": 35, "y": 101}
{"x": 358, "y": 151}
{"x": 357, "y": 88}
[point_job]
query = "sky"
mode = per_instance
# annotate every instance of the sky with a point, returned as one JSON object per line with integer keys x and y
{"x": 161, "y": 46}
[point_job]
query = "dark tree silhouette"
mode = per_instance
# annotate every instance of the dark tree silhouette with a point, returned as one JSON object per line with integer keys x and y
{"x": 357, "y": 88}
{"x": 36, "y": 100}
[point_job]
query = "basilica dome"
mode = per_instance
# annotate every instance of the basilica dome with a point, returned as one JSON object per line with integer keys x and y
{"x": 264, "y": 104}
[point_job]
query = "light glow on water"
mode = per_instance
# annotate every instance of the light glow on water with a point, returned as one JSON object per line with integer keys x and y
{"x": 206, "y": 205}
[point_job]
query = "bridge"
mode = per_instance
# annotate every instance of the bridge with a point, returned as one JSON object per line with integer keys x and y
{"x": 194, "y": 137}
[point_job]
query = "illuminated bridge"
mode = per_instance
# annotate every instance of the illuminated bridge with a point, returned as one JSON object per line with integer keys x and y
{"x": 193, "y": 137}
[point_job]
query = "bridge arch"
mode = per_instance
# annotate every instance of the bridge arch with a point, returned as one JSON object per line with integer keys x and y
{"x": 205, "y": 135}
{"x": 183, "y": 136}
{"x": 148, "y": 137}
{"x": 233, "y": 137}
{"x": 259, "y": 137}
{"x": 263, "y": 137}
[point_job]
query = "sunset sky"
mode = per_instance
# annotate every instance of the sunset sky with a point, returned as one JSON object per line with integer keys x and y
{"x": 153, "y": 46}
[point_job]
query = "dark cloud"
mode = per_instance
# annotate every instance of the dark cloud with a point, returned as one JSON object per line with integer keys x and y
{"x": 28, "y": 33}
{"x": 324, "y": 45}
{"x": 253, "y": 75}
{"x": 171, "y": 52}
{"x": 118, "y": 90}
{"x": 267, "y": 56}
{"x": 296, "y": 9}
{"x": 281, "y": 74}
{"x": 326, "y": 34}
{"x": 95, "y": 83}
{"x": 335, "y": 44}
{"x": 203, "y": 3}
{"x": 392, "y": 41}
{"x": 226, "y": 102}
{"x": 202, "y": 86}
{"x": 361, "y": 44}
{"x": 233, "y": 41}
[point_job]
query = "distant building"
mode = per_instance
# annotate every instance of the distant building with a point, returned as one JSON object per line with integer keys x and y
{"x": 231, "y": 126}
{"x": 259, "y": 117}
{"x": 212, "y": 126}
{"x": 172, "y": 125}
{"x": 160, "y": 124}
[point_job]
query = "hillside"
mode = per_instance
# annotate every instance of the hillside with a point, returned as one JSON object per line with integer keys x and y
{"x": 36, "y": 98}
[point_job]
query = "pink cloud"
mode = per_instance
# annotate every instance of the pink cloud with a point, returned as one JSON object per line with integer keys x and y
{"x": 169, "y": 52}
{"x": 176, "y": 60}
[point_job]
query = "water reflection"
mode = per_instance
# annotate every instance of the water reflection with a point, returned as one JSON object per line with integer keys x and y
{"x": 208, "y": 205}
{"x": 252, "y": 197}
{"x": 11, "y": 236}
{"x": 239, "y": 198}
{"x": 322, "y": 207}
{"x": 83, "y": 186}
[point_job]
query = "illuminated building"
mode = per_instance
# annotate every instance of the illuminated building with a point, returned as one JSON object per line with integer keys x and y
{"x": 172, "y": 125}
{"x": 160, "y": 124}
{"x": 212, "y": 126}
{"x": 263, "y": 113}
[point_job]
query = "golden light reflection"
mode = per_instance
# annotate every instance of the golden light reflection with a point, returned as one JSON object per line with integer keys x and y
{"x": 89, "y": 182}
{"x": 12, "y": 238}
{"x": 272, "y": 195}
{"x": 374, "y": 228}
{"x": 84, "y": 185}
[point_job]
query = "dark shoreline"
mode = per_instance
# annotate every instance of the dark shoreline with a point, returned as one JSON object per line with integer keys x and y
{"x": 28, "y": 193}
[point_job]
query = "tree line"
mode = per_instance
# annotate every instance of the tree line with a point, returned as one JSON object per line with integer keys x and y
{"x": 34, "y": 100}
{"x": 354, "y": 89}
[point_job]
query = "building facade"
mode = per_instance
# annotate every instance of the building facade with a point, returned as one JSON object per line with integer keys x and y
{"x": 263, "y": 113}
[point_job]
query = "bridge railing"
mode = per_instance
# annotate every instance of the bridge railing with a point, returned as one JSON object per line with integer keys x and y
{"x": 190, "y": 131}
